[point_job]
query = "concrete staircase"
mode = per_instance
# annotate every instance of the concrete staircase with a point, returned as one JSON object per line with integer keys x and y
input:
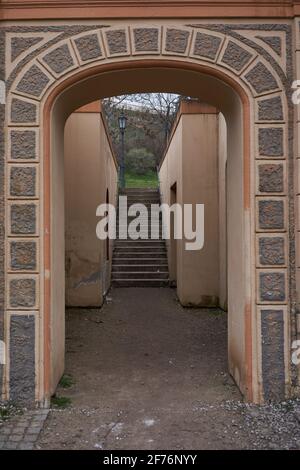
{"x": 140, "y": 263}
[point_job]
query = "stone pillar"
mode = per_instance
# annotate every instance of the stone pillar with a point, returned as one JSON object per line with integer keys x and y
{"x": 296, "y": 162}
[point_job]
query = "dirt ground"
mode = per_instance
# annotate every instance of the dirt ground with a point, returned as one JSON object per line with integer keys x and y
{"x": 149, "y": 374}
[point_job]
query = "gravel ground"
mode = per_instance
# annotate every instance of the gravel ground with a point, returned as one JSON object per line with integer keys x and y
{"x": 148, "y": 374}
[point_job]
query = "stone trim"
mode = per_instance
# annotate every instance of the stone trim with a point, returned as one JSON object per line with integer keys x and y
{"x": 65, "y": 49}
{"x": 273, "y": 352}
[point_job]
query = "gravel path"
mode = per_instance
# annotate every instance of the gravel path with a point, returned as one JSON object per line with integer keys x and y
{"x": 149, "y": 374}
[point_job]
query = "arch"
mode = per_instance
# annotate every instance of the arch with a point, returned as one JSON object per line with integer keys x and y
{"x": 38, "y": 84}
{"x": 55, "y": 104}
{"x": 107, "y": 255}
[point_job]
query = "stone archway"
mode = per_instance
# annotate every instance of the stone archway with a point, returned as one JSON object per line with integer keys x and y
{"x": 239, "y": 56}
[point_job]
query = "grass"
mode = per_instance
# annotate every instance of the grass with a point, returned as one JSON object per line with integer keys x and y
{"x": 4, "y": 413}
{"x": 60, "y": 402}
{"x": 148, "y": 180}
{"x": 8, "y": 409}
{"x": 66, "y": 381}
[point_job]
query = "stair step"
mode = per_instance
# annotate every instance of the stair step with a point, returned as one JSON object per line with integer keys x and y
{"x": 140, "y": 282}
{"x": 142, "y": 200}
{"x": 138, "y": 249}
{"x": 123, "y": 261}
{"x": 143, "y": 235}
{"x": 141, "y": 226}
{"x": 157, "y": 268}
{"x": 142, "y": 197}
{"x": 145, "y": 201}
{"x": 139, "y": 243}
{"x": 139, "y": 190}
{"x": 139, "y": 275}
{"x": 149, "y": 216}
{"x": 148, "y": 238}
{"x": 141, "y": 255}
{"x": 142, "y": 262}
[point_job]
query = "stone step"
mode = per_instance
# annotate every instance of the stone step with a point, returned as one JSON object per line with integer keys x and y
{"x": 157, "y": 268}
{"x": 142, "y": 234}
{"x": 140, "y": 282}
{"x": 143, "y": 200}
{"x": 148, "y": 216}
{"x": 145, "y": 237}
{"x": 160, "y": 239}
{"x": 139, "y": 275}
{"x": 138, "y": 249}
{"x": 139, "y": 190}
{"x": 140, "y": 254}
{"x": 123, "y": 261}
{"x": 147, "y": 204}
{"x": 142, "y": 262}
{"x": 142, "y": 196}
{"x": 142, "y": 227}
{"x": 139, "y": 243}
{"x": 142, "y": 220}
{"x": 137, "y": 195}
{"x": 156, "y": 218}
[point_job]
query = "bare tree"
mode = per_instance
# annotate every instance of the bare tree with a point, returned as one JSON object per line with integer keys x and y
{"x": 151, "y": 113}
{"x": 162, "y": 106}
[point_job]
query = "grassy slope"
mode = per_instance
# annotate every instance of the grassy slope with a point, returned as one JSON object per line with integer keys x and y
{"x": 148, "y": 180}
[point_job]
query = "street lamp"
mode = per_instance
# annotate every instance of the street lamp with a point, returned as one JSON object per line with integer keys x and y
{"x": 122, "y": 127}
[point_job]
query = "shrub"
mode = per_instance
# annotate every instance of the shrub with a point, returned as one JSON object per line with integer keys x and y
{"x": 139, "y": 161}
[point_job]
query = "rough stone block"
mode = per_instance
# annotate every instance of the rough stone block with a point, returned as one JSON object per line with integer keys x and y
{"x": 176, "y": 40}
{"x": 273, "y": 367}
{"x": 270, "y": 142}
{"x": 270, "y": 178}
{"x": 271, "y": 251}
{"x": 236, "y": 56}
{"x": 116, "y": 41}
{"x": 206, "y": 45}
{"x": 22, "y": 358}
{"x": 270, "y": 109}
{"x": 23, "y": 181}
{"x": 271, "y": 214}
{"x": 272, "y": 286}
{"x": 23, "y": 111}
{"x": 273, "y": 41}
{"x": 33, "y": 82}
{"x": 23, "y": 144}
{"x": 261, "y": 79}
{"x": 23, "y": 256}
{"x": 60, "y": 59}
{"x": 21, "y": 44}
{"x": 146, "y": 39}
{"x": 23, "y": 219}
{"x": 22, "y": 293}
{"x": 88, "y": 47}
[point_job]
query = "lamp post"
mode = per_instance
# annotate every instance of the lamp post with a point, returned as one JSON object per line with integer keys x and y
{"x": 122, "y": 127}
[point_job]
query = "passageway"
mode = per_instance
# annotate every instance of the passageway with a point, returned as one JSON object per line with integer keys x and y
{"x": 142, "y": 366}
{"x": 149, "y": 374}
